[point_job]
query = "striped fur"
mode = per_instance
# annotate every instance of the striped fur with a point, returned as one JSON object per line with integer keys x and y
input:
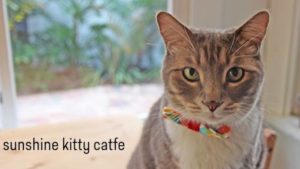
{"x": 212, "y": 54}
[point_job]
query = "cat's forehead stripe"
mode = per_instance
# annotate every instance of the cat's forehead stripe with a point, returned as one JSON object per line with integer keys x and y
{"x": 222, "y": 56}
{"x": 202, "y": 56}
{"x": 212, "y": 48}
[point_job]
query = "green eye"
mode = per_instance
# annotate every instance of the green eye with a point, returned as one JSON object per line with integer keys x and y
{"x": 190, "y": 74}
{"x": 235, "y": 74}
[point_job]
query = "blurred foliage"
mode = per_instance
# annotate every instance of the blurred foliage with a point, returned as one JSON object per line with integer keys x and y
{"x": 63, "y": 38}
{"x": 18, "y": 11}
{"x": 114, "y": 51}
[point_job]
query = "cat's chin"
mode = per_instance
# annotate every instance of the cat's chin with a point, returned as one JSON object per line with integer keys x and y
{"x": 209, "y": 119}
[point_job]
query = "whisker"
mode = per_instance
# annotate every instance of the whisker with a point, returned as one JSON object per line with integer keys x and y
{"x": 232, "y": 43}
{"x": 245, "y": 43}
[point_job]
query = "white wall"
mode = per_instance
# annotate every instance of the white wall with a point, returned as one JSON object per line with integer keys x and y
{"x": 223, "y": 14}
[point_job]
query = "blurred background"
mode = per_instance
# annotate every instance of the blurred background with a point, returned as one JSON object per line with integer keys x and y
{"x": 64, "y": 61}
{"x": 63, "y": 45}
{"x": 60, "y": 45}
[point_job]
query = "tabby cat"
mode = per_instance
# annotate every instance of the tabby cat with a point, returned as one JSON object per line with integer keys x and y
{"x": 213, "y": 77}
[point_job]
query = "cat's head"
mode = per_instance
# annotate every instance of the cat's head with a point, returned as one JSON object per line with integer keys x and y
{"x": 214, "y": 76}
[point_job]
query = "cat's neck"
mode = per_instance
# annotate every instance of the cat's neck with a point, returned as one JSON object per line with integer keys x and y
{"x": 188, "y": 145}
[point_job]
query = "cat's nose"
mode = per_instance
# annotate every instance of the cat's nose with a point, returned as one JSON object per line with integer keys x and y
{"x": 212, "y": 105}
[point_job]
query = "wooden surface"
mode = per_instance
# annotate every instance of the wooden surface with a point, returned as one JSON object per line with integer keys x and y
{"x": 126, "y": 129}
{"x": 270, "y": 138}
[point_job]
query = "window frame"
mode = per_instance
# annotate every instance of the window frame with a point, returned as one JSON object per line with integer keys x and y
{"x": 7, "y": 81}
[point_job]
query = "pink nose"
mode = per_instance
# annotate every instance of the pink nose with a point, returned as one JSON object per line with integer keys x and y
{"x": 212, "y": 105}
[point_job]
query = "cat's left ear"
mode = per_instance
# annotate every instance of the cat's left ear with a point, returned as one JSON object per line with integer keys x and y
{"x": 255, "y": 28}
{"x": 173, "y": 32}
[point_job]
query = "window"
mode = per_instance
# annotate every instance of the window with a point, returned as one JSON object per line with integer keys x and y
{"x": 63, "y": 45}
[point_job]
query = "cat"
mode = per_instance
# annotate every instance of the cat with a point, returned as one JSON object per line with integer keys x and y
{"x": 213, "y": 77}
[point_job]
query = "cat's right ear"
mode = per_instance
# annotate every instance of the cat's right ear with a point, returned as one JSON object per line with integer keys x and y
{"x": 255, "y": 28}
{"x": 174, "y": 33}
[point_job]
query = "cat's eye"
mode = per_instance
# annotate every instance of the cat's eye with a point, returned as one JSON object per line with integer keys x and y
{"x": 190, "y": 74}
{"x": 235, "y": 74}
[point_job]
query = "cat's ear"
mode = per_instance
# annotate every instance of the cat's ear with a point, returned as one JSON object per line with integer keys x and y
{"x": 255, "y": 28}
{"x": 174, "y": 33}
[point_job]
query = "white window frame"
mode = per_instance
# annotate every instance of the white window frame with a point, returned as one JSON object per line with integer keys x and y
{"x": 7, "y": 84}
{"x": 280, "y": 52}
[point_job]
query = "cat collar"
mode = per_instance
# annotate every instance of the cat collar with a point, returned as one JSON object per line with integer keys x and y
{"x": 171, "y": 114}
